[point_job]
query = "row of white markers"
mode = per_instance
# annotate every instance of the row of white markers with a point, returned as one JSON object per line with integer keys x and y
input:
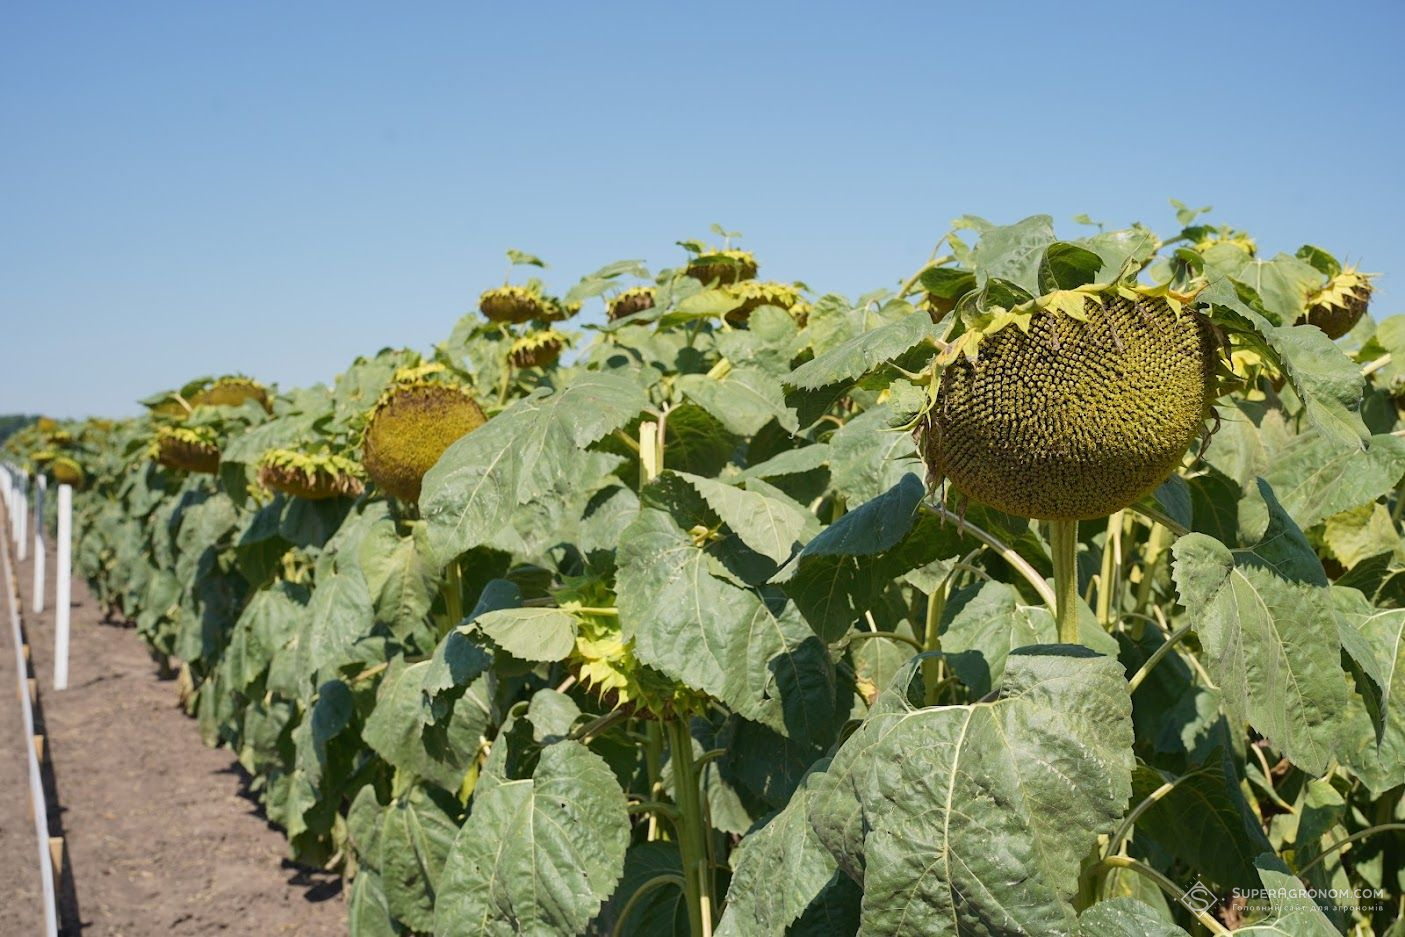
{"x": 16, "y": 487}
{"x": 13, "y": 485}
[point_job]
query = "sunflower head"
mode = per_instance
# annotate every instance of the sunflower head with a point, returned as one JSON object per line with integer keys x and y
{"x": 67, "y": 471}
{"x": 187, "y": 448}
{"x": 527, "y": 303}
{"x": 724, "y": 267}
{"x": 315, "y": 476}
{"x": 232, "y": 391}
{"x": 1075, "y": 409}
{"x": 635, "y": 299}
{"x": 1340, "y": 303}
{"x": 412, "y": 424}
{"x": 538, "y": 349}
{"x": 753, "y": 294}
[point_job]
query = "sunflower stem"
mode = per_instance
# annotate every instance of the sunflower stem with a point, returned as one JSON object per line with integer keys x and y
{"x": 932, "y": 641}
{"x": 1063, "y": 543}
{"x": 452, "y": 590}
{"x": 1107, "y": 580}
{"x": 690, "y": 827}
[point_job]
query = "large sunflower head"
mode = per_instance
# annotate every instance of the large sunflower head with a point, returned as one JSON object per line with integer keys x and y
{"x": 1076, "y": 408}
{"x": 414, "y": 421}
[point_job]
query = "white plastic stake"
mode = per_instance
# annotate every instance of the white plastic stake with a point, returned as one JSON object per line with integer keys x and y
{"x": 22, "y": 512}
{"x": 64, "y": 586}
{"x": 41, "y": 485}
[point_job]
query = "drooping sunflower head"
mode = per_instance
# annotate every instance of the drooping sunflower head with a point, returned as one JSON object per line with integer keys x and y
{"x": 1340, "y": 303}
{"x": 1074, "y": 411}
{"x": 67, "y": 471}
{"x": 412, "y": 424}
{"x": 315, "y": 476}
{"x": 635, "y": 299}
{"x": 752, "y": 294}
{"x": 724, "y": 267}
{"x": 1210, "y": 237}
{"x": 187, "y": 448}
{"x": 516, "y": 304}
{"x": 232, "y": 391}
{"x": 538, "y": 349}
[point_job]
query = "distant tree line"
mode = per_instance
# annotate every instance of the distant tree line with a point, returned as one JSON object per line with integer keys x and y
{"x": 12, "y": 423}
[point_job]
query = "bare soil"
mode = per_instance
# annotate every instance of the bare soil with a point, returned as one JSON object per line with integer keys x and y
{"x": 161, "y": 834}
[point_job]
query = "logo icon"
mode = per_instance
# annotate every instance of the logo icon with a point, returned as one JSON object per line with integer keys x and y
{"x": 1198, "y": 898}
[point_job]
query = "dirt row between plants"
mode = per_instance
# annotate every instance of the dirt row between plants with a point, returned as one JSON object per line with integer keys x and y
{"x": 162, "y": 837}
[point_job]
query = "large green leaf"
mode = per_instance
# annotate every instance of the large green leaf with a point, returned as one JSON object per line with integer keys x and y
{"x": 1294, "y": 914}
{"x": 541, "y": 634}
{"x": 341, "y": 615}
{"x": 777, "y": 872}
{"x": 272, "y": 618}
{"x": 868, "y": 457}
{"x": 401, "y": 581}
{"x": 1314, "y": 478}
{"x": 1008, "y": 252}
{"x": 1125, "y": 917}
{"x": 834, "y": 589}
{"x": 418, "y": 828}
{"x": 1204, "y": 821}
{"x": 856, "y": 357}
{"x": 397, "y": 728}
{"x": 986, "y": 628}
{"x": 746, "y": 646}
{"x": 873, "y": 527}
{"x": 1067, "y": 266}
{"x": 533, "y": 446}
{"x": 367, "y": 914}
{"x": 537, "y": 856}
{"x": 745, "y": 400}
{"x": 967, "y": 820}
{"x": 765, "y": 519}
{"x": 1375, "y": 723}
{"x": 1327, "y": 381}
{"x": 1263, "y": 615}
{"x": 461, "y": 657}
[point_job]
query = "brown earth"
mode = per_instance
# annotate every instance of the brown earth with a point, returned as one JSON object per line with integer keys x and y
{"x": 162, "y": 838}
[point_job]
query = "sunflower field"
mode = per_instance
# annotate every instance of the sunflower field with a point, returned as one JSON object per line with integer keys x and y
{"x": 1059, "y": 590}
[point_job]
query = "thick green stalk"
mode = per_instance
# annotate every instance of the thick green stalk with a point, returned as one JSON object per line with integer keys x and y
{"x": 1063, "y": 542}
{"x": 1172, "y": 890}
{"x": 653, "y": 762}
{"x": 1107, "y": 580}
{"x": 691, "y": 828}
{"x": 932, "y": 640}
{"x": 1151, "y": 557}
{"x": 452, "y": 590}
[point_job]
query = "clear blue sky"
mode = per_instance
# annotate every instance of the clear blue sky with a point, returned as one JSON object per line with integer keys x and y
{"x": 191, "y": 188}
